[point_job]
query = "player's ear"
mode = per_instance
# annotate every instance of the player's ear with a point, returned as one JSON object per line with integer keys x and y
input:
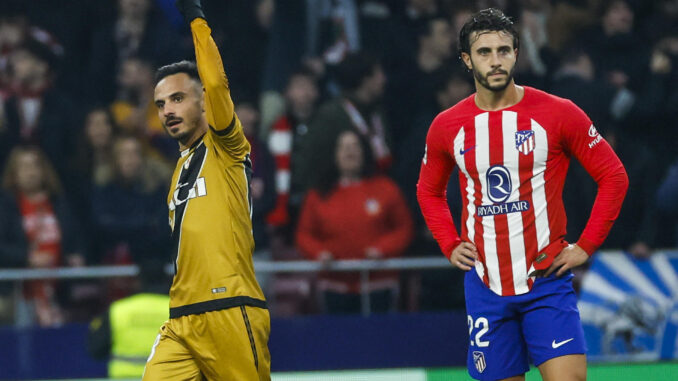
{"x": 202, "y": 99}
{"x": 466, "y": 58}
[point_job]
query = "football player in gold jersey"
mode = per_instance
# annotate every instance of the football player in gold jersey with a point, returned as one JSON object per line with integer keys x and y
{"x": 219, "y": 324}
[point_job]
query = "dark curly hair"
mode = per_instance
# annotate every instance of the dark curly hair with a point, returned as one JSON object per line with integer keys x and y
{"x": 490, "y": 19}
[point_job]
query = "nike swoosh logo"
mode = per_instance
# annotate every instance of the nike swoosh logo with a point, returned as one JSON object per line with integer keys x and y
{"x": 560, "y": 343}
{"x": 462, "y": 152}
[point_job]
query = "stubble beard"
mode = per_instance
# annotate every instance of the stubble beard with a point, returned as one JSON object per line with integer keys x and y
{"x": 483, "y": 81}
{"x": 185, "y": 135}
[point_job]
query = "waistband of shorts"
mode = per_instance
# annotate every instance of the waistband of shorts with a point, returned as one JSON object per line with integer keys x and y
{"x": 216, "y": 305}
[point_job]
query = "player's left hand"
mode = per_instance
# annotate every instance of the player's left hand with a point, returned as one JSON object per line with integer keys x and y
{"x": 571, "y": 256}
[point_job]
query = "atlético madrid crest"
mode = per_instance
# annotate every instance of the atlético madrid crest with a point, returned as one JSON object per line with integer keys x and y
{"x": 525, "y": 141}
{"x": 479, "y": 361}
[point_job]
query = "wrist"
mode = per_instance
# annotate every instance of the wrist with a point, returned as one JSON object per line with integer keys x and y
{"x": 190, "y": 9}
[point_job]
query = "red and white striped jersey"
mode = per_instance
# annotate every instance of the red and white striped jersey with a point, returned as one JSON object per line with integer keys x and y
{"x": 513, "y": 164}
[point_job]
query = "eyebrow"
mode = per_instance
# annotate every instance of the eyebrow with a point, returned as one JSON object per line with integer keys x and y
{"x": 489, "y": 48}
{"x": 171, "y": 95}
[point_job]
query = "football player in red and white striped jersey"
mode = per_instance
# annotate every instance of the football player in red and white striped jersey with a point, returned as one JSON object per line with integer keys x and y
{"x": 513, "y": 145}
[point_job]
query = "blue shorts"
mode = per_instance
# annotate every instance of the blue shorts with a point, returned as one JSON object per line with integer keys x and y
{"x": 506, "y": 332}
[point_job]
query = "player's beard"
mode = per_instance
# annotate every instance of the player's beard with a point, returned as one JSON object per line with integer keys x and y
{"x": 482, "y": 79}
{"x": 182, "y": 136}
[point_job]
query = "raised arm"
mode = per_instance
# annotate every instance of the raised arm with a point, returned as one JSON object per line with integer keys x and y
{"x": 219, "y": 106}
{"x": 218, "y": 102}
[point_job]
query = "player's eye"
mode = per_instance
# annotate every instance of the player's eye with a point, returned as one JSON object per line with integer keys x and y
{"x": 177, "y": 98}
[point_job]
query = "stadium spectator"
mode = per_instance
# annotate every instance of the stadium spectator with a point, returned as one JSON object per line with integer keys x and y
{"x": 124, "y": 334}
{"x": 358, "y": 109}
{"x": 619, "y": 55}
{"x": 13, "y": 252}
{"x": 50, "y": 229}
{"x": 262, "y": 184}
{"x": 417, "y": 76}
{"x": 354, "y": 214}
{"x": 36, "y": 112}
{"x": 131, "y": 207}
{"x": 15, "y": 30}
{"x": 319, "y": 34}
{"x": 412, "y": 17}
{"x": 536, "y": 59}
{"x": 90, "y": 165}
{"x": 137, "y": 29}
{"x": 133, "y": 109}
{"x": 438, "y": 289}
{"x": 285, "y": 141}
{"x": 450, "y": 87}
{"x": 242, "y": 28}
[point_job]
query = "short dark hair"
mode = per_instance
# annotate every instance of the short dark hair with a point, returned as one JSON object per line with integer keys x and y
{"x": 187, "y": 67}
{"x": 490, "y": 19}
{"x": 354, "y": 68}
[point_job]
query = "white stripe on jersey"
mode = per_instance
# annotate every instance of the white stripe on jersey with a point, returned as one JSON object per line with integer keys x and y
{"x": 470, "y": 191}
{"x": 541, "y": 218}
{"x": 482, "y": 153}
{"x": 515, "y": 220}
{"x": 458, "y": 146}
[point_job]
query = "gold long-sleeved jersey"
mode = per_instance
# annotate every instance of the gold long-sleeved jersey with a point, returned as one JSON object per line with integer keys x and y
{"x": 209, "y": 202}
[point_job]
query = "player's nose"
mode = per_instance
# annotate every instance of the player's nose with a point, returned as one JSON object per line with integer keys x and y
{"x": 168, "y": 110}
{"x": 494, "y": 59}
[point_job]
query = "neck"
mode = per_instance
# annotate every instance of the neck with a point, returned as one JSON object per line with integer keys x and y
{"x": 197, "y": 134}
{"x": 489, "y": 100}
{"x": 302, "y": 114}
{"x": 35, "y": 195}
{"x": 349, "y": 178}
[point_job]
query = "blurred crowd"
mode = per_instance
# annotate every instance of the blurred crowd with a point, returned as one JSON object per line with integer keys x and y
{"x": 336, "y": 97}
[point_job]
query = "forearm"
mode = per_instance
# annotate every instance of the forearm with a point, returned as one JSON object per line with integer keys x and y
{"x": 218, "y": 103}
{"x": 438, "y": 219}
{"x": 611, "y": 192}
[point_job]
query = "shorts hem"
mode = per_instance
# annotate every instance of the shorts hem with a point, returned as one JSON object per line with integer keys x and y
{"x": 559, "y": 355}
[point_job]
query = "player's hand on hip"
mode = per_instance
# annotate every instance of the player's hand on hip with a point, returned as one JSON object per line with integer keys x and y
{"x": 570, "y": 257}
{"x": 464, "y": 256}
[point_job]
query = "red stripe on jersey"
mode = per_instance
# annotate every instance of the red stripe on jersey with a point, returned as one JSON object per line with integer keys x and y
{"x": 470, "y": 163}
{"x": 501, "y": 221}
{"x": 554, "y": 192}
{"x": 282, "y": 161}
{"x": 526, "y": 165}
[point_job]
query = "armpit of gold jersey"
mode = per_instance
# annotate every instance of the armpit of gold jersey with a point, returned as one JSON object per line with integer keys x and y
{"x": 210, "y": 216}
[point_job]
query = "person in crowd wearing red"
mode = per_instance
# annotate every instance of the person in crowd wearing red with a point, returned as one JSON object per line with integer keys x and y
{"x": 352, "y": 214}
{"x": 48, "y": 225}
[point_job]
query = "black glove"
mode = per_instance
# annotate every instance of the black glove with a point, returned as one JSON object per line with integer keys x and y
{"x": 190, "y": 9}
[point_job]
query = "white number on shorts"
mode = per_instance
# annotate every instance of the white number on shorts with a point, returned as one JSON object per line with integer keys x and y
{"x": 481, "y": 321}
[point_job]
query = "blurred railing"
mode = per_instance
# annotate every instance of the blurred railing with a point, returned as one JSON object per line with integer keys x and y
{"x": 364, "y": 266}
